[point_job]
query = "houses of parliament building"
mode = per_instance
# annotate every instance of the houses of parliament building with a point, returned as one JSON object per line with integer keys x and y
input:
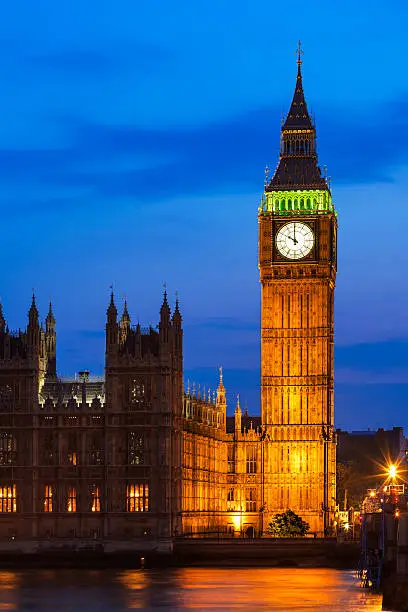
{"x": 134, "y": 457}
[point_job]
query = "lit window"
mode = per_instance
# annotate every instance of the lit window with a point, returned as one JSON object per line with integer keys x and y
{"x": 72, "y": 502}
{"x": 251, "y": 500}
{"x": 48, "y": 498}
{"x": 8, "y": 448}
{"x": 96, "y": 499}
{"x": 135, "y": 448}
{"x": 137, "y": 498}
{"x": 137, "y": 395}
{"x": 73, "y": 458}
{"x": 231, "y": 460}
{"x": 251, "y": 453}
{"x": 230, "y": 500}
{"x": 8, "y": 498}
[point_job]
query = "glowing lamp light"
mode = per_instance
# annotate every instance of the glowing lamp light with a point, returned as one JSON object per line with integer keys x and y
{"x": 397, "y": 514}
{"x": 236, "y": 519}
{"x": 372, "y": 494}
{"x": 392, "y": 471}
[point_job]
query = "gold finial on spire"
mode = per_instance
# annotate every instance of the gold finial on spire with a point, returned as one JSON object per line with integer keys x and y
{"x": 299, "y": 53}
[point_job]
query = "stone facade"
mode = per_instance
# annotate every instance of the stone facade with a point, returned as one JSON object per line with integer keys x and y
{"x": 297, "y": 262}
{"x": 126, "y": 458}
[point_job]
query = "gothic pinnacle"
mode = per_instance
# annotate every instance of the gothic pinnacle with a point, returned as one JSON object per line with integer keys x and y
{"x": 50, "y": 320}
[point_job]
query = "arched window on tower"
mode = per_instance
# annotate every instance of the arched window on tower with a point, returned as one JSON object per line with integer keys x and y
{"x": 8, "y": 448}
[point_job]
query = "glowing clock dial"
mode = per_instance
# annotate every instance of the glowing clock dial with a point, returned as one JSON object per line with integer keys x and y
{"x": 295, "y": 240}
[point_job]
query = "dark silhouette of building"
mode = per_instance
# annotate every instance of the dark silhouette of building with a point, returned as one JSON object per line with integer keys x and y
{"x": 363, "y": 460}
{"x": 80, "y": 458}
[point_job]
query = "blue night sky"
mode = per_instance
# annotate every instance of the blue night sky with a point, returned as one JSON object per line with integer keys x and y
{"x": 133, "y": 141}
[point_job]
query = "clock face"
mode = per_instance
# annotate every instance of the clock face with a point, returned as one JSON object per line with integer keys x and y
{"x": 295, "y": 240}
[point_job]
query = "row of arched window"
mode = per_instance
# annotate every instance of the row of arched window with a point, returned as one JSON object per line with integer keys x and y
{"x": 297, "y": 147}
{"x": 296, "y": 204}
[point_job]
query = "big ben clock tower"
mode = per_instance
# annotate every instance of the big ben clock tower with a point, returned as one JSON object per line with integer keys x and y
{"x": 297, "y": 262}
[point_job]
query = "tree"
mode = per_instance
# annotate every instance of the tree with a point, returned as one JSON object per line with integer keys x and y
{"x": 351, "y": 485}
{"x": 288, "y": 525}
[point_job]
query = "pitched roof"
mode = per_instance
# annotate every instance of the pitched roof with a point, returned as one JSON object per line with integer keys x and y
{"x": 300, "y": 172}
{"x": 298, "y": 116}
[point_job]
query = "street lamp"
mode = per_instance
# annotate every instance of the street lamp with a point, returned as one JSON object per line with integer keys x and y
{"x": 392, "y": 471}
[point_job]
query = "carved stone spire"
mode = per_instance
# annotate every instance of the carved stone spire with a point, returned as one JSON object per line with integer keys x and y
{"x": 33, "y": 314}
{"x": 238, "y": 417}
{"x": 177, "y": 318}
{"x": 297, "y": 168}
{"x": 165, "y": 308}
{"x": 112, "y": 312}
{"x": 51, "y": 343}
{"x": 221, "y": 396}
{"x": 50, "y": 320}
{"x": 125, "y": 318}
{"x": 298, "y": 116}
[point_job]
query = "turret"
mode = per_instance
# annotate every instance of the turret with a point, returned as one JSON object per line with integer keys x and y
{"x": 33, "y": 328}
{"x": 221, "y": 400}
{"x": 164, "y": 324}
{"x": 51, "y": 343}
{"x": 238, "y": 418}
{"x": 177, "y": 319}
{"x": 111, "y": 325}
{"x": 124, "y": 322}
{"x": 177, "y": 327}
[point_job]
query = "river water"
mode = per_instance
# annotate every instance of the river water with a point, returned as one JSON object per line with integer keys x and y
{"x": 284, "y": 590}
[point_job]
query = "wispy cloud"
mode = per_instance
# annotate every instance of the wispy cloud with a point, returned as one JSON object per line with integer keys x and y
{"x": 151, "y": 164}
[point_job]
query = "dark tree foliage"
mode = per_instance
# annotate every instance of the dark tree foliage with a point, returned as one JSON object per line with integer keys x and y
{"x": 351, "y": 485}
{"x": 288, "y": 525}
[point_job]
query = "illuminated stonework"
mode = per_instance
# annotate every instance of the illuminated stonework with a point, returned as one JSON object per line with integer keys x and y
{"x": 297, "y": 324}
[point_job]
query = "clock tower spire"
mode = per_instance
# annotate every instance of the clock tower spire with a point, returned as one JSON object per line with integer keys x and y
{"x": 297, "y": 262}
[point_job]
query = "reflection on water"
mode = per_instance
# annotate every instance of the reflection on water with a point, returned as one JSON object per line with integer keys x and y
{"x": 292, "y": 590}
